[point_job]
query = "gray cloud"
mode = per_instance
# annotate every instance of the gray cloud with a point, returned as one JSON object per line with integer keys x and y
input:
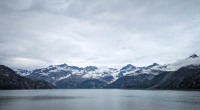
{"x": 38, "y": 33}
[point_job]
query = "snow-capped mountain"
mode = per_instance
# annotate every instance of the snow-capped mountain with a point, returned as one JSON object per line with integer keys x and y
{"x": 61, "y": 74}
{"x": 191, "y": 60}
{"x": 155, "y": 68}
{"x": 128, "y": 69}
{"x": 56, "y": 73}
{"x": 102, "y": 72}
{"x": 131, "y": 70}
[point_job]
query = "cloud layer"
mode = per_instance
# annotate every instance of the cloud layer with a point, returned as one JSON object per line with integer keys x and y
{"x": 38, "y": 33}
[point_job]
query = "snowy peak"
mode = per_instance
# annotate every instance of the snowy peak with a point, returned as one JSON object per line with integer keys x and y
{"x": 153, "y": 65}
{"x": 63, "y": 65}
{"x": 193, "y": 56}
{"x": 132, "y": 70}
{"x": 90, "y": 68}
{"x": 191, "y": 60}
{"x": 128, "y": 67}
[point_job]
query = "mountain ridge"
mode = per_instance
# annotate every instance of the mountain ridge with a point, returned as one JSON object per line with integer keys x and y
{"x": 63, "y": 73}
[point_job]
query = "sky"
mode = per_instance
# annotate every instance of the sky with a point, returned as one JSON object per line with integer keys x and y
{"x": 113, "y": 33}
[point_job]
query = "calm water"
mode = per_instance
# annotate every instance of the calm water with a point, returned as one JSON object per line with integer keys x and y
{"x": 99, "y": 99}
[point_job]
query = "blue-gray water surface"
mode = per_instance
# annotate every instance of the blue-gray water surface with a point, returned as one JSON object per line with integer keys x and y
{"x": 99, "y": 99}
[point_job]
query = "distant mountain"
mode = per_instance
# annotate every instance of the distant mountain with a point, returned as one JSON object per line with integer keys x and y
{"x": 184, "y": 78}
{"x": 65, "y": 76}
{"x": 191, "y": 60}
{"x": 10, "y": 80}
{"x": 127, "y": 70}
{"x": 61, "y": 75}
{"x": 183, "y": 74}
{"x": 130, "y": 70}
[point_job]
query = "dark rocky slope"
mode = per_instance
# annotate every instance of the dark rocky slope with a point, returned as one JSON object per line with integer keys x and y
{"x": 184, "y": 78}
{"x": 10, "y": 80}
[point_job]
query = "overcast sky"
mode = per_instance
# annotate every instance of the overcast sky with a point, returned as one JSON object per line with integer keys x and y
{"x": 38, "y": 33}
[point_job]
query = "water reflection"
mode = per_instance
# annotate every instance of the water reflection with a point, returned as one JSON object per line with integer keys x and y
{"x": 85, "y": 99}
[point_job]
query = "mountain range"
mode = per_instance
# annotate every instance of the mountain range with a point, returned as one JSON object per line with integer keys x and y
{"x": 182, "y": 74}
